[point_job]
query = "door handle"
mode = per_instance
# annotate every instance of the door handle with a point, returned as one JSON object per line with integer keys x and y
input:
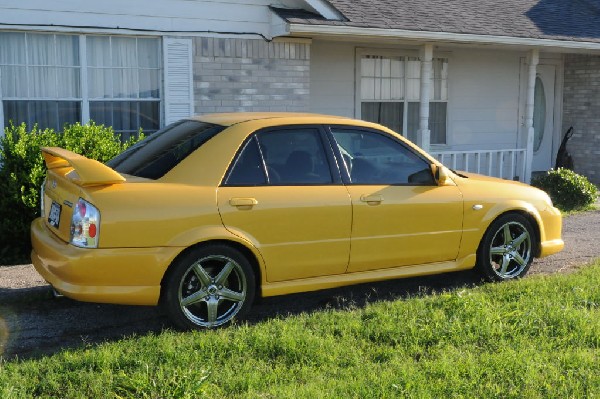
{"x": 372, "y": 199}
{"x": 243, "y": 203}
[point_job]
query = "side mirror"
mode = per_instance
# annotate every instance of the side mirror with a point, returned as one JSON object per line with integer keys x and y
{"x": 441, "y": 175}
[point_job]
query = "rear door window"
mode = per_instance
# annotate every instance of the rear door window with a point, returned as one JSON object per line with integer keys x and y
{"x": 288, "y": 156}
{"x": 295, "y": 156}
{"x": 248, "y": 169}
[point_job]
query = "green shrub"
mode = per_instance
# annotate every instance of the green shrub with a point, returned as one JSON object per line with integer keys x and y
{"x": 568, "y": 190}
{"x": 22, "y": 172}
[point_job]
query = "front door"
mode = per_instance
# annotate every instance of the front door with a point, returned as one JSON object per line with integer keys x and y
{"x": 400, "y": 216}
{"x": 545, "y": 125}
{"x": 543, "y": 118}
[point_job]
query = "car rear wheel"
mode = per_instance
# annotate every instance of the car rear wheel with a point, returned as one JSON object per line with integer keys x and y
{"x": 209, "y": 287}
{"x": 507, "y": 248}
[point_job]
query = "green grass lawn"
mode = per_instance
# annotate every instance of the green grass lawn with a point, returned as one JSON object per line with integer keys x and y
{"x": 534, "y": 338}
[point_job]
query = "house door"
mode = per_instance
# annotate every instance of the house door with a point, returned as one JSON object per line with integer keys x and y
{"x": 546, "y": 126}
{"x": 543, "y": 118}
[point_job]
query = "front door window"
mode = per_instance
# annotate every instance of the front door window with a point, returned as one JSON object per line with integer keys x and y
{"x": 539, "y": 113}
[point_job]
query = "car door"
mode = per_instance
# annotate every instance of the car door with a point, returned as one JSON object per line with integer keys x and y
{"x": 280, "y": 194}
{"x": 401, "y": 216}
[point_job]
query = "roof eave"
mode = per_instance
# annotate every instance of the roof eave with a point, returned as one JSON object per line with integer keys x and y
{"x": 354, "y": 33}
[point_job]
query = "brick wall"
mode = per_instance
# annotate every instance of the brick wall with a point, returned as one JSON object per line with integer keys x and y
{"x": 250, "y": 75}
{"x": 581, "y": 109}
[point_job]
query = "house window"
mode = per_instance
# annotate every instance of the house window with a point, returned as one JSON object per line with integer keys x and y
{"x": 124, "y": 82}
{"x": 390, "y": 90}
{"x": 42, "y": 80}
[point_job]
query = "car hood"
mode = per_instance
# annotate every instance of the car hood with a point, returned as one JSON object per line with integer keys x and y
{"x": 475, "y": 186}
{"x": 484, "y": 178}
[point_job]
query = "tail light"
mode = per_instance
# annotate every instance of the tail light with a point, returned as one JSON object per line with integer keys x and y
{"x": 85, "y": 225}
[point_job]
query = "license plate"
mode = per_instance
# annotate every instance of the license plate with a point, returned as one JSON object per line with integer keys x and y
{"x": 54, "y": 217}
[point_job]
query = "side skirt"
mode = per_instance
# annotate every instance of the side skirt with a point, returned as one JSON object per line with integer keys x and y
{"x": 340, "y": 280}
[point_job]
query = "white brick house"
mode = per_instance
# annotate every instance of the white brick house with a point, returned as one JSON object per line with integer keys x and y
{"x": 488, "y": 86}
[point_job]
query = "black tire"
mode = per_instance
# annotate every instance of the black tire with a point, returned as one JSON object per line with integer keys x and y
{"x": 208, "y": 287}
{"x": 507, "y": 248}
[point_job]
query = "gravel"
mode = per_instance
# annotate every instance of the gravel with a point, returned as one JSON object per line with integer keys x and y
{"x": 33, "y": 323}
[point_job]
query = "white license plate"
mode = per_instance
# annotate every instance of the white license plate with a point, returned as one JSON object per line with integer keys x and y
{"x": 54, "y": 217}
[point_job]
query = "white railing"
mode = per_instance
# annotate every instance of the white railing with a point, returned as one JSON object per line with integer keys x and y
{"x": 506, "y": 164}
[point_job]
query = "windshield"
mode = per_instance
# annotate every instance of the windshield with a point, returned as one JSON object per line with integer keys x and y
{"x": 160, "y": 152}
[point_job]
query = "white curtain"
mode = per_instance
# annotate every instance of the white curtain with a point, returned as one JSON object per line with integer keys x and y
{"x": 123, "y": 67}
{"x": 124, "y": 62}
{"x": 413, "y": 81}
{"x": 439, "y": 88}
{"x": 37, "y": 71}
{"x": 53, "y": 66}
{"x": 99, "y": 63}
{"x": 12, "y": 62}
{"x": 41, "y": 80}
{"x": 382, "y": 78}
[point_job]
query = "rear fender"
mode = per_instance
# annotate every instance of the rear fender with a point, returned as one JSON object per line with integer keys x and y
{"x": 204, "y": 234}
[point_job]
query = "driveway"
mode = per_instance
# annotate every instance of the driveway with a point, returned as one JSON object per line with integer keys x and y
{"x": 33, "y": 323}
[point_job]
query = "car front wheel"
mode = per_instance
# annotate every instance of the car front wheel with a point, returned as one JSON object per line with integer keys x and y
{"x": 209, "y": 287}
{"x": 507, "y": 248}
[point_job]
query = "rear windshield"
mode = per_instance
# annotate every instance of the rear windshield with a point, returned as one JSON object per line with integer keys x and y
{"x": 160, "y": 152}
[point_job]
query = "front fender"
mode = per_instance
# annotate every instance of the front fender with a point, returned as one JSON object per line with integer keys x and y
{"x": 477, "y": 221}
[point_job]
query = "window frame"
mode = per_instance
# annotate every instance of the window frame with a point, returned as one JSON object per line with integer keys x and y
{"x": 332, "y": 161}
{"x": 404, "y": 53}
{"x": 359, "y": 129}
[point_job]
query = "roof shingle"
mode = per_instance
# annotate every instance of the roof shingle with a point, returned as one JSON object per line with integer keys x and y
{"x": 572, "y": 20}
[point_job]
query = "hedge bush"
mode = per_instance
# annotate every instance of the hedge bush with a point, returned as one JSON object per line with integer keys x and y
{"x": 22, "y": 172}
{"x": 568, "y": 190}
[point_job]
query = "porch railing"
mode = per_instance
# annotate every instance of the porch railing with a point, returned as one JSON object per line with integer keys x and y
{"x": 506, "y": 164}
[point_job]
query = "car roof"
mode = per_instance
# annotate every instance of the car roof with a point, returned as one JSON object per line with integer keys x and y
{"x": 229, "y": 119}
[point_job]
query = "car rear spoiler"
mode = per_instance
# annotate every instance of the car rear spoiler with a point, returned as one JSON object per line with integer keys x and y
{"x": 82, "y": 171}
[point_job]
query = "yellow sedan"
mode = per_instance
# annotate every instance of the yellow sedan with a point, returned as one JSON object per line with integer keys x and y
{"x": 212, "y": 211}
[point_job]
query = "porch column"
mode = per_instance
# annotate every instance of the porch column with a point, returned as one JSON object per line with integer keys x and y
{"x": 424, "y": 134}
{"x": 532, "y": 62}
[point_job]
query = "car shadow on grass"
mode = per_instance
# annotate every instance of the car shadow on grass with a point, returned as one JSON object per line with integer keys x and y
{"x": 359, "y": 296}
{"x": 34, "y": 324}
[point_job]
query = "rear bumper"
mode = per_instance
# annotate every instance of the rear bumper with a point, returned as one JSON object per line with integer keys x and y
{"x": 128, "y": 276}
{"x": 551, "y": 247}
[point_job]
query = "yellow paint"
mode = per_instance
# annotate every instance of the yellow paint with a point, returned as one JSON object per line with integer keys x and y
{"x": 302, "y": 232}
{"x": 422, "y": 223}
{"x": 303, "y": 238}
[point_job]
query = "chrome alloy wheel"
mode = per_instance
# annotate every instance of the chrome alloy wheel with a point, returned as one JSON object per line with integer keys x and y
{"x": 212, "y": 291}
{"x": 510, "y": 251}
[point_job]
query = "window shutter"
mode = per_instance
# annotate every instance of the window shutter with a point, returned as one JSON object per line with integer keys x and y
{"x": 179, "y": 85}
